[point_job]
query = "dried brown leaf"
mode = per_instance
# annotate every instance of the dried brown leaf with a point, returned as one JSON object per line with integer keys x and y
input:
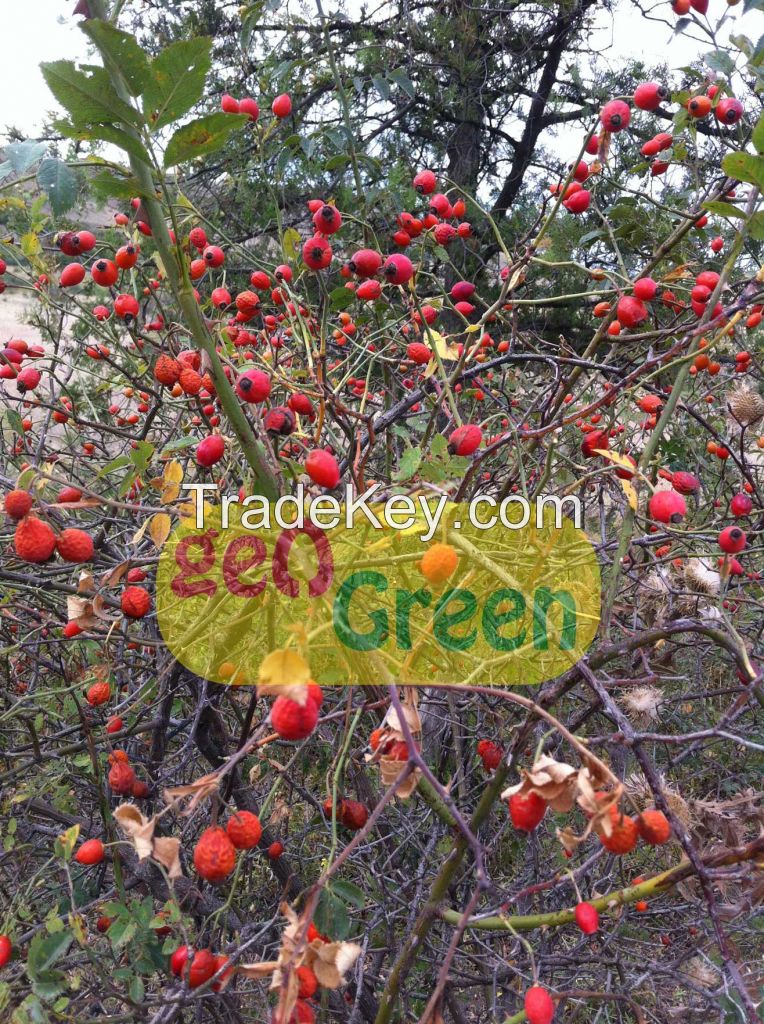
{"x": 114, "y": 576}
{"x": 199, "y": 790}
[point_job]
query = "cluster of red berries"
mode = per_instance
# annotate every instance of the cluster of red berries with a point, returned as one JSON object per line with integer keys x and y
{"x": 350, "y": 813}
{"x": 215, "y": 850}
{"x": 527, "y": 810}
{"x": 281, "y": 106}
{"x": 196, "y": 967}
{"x": 35, "y": 540}
{"x": 616, "y": 115}
{"x": 122, "y": 777}
{"x": 490, "y": 754}
{"x": 15, "y": 352}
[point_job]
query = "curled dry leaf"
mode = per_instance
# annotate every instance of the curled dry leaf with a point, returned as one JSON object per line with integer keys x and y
{"x": 165, "y": 850}
{"x": 390, "y": 733}
{"x": 284, "y": 673}
{"x": 555, "y": 781}
{"x": 389, "y": 771}
{"x": 114, "y": 576}
{"x": 82, "y": 503}
{"x": 329, "y": 961}
{"x": 199, "y": 790}
{"x": 80, "y": 611}
{"x": 564, "y": 786}
{"x": 85, "y": 583}
{"x": 410, "y": 714}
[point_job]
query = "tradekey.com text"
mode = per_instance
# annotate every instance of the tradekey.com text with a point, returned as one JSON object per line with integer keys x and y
{"x": 399, "y": 512}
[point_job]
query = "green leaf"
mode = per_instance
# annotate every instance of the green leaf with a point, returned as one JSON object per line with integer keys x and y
{"x": 207, "y": 134}
{"x": 119, "y": 463}
{"x": 48, "y": 985}
{"x": 337, "y": 161}
{"x": 753, "y": 5}
{"x": 141, "y": 455}
{"x": 756, "y": 226}
{"x": 745, "y": 167}
{"x": 177, "y": 80}
{"x": 122, "y": 931}
{"x": 744, "y": 44}
{"x": 14, "y": 421}
{"x": 340, "y": 298}
{"x": 331, "y": 917}
{"x": 403, "y": 81}
{"x": 89, "y": 98}
{"x": 108, "y": 185}
{"x": 382, "y": 87}
{"x": 122, "y": 50}
{"x": 45, "y": 950}
{"x": 21, "y": 155}
{"x": 137, "y": 989}
{"x": 60, "y": 182}
{"x": 409, "y": 464}
{"x": 758, "y": 135}
{"x": 350, "y": 893}
{"x": 718, "y": 60}
{"x": 178, "y": 444}
{"x": 724, "y": 209}
{"x": 104, "y": 133}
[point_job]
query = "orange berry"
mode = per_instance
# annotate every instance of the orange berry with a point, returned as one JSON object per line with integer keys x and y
{"x": 653, "y": 827}
{"x": 91, "y": 852}
{"x": 244, "y": 830}
{"x": 98, "y": 694}
{"x": 18, "y": 503}
{"x": 214, "y": 855}
{"x": 623, "y": 837}
{"x": 34, "y": 540}
{"x": 438, "y": 563}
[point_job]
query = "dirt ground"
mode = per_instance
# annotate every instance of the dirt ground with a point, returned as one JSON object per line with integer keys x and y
{"x": 15, "y": 309}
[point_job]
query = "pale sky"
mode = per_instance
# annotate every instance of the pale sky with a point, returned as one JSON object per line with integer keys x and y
{"x": 42, "y": 30}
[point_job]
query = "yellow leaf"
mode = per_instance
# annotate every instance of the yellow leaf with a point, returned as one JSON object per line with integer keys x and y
{"x": 445, "y": 349}
{"x": 472, "y": 328}
{"x": 171, "y": 481}
{"x": 139, "y": 534}
{"x": 284, "y": 672}
{"x": 620, "y": 460}
{"x": 170, "y": 493}
{"x": 30, "y": 244}
{"x": 631, "y": 494}
{"x": 159, "y": 528}
{"x": 65, "y": 843}
{"x": 291, "y": 243}
{"x": 517, "y": 278}
{"x": 77, "y": 924}
{"x": 173, "y": 473}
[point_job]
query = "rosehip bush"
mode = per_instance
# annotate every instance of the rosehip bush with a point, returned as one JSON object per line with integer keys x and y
{"x": 238, "y": 292}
